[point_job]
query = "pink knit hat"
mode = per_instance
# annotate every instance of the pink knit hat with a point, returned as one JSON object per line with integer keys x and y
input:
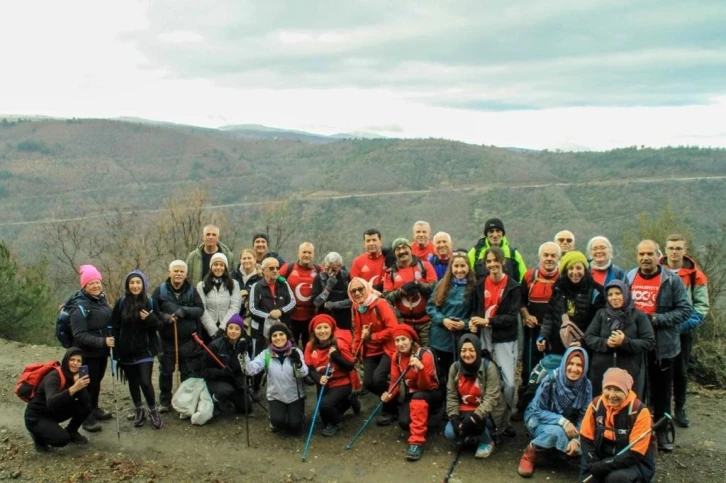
{"x": 619, "y": 378}
{"x": 88, "y": 273}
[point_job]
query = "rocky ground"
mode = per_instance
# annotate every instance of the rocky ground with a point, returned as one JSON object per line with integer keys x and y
{"x": 218, "y": 452}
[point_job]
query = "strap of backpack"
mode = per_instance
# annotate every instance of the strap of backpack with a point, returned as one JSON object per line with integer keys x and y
{"x": 267, "y": 359}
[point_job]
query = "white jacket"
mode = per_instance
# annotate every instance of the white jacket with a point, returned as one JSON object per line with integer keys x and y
{"x": 282, "y": 383}
{"x": 219, "y": 306}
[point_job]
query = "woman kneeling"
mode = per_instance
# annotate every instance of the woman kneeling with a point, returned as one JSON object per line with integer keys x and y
{"x": 555, "y": 414}
{"x": 420, "y": 384}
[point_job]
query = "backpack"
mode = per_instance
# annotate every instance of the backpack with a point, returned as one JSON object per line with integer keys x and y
{"x": 63, "y": 331}
{"x": 33, "y": 375}
{"x": 547, "y": 365}
{"x": 419, "y": 263}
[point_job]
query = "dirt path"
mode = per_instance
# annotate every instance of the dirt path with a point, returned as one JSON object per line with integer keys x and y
{"x": 181, "y": 452}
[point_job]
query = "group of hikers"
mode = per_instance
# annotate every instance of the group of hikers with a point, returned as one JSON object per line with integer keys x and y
{"x": 437, "y": 333}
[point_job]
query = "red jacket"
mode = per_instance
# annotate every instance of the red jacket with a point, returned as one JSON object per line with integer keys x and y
{"x": 415, "y": 380}
{"x": 369, "y": 268}
{"x": 339, "y": 373}
{"x": 381, "y": 321}
{"x": 423, "y": 253}
{"x": 412, "y": 309}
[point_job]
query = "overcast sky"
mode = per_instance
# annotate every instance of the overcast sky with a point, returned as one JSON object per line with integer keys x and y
{"x": 557, "y": 74}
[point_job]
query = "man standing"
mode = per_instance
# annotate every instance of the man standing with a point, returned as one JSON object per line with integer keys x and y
{"x": 661, "y": 295}
{"x": 409, "y": 286}
{"x": 440, "y": 260}
{"x": 370, "y": 265}
{"x": 566, "y": 240}
{"x": 494, "y": 236}
{"x": 198, "y": 259}
{"x": 422, "y": 246}
{"x": 300, "y": 278}
{"x": 260, "y": 244}
{"x": 696, "y": 284}
{"x": 180, "y": 305}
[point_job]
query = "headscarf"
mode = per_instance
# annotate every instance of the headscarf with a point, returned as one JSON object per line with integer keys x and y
{"x": 619, "y": 378}
{"x": 572, "y": 394}
{"x": 65, "y": 366}
{"x": 619, "y": 316}
{"x": 370, "y": 294}
{"x": 470, "y": 370}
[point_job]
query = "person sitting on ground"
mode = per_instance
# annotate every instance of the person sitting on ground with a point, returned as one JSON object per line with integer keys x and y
{"x": 54, "y": 403}
{"x": 285, "y": 370}
{"x": 554, "y": 416}
{"x": 135, "y": 327}
{"x": 619, "y": 336}
{"x": 373, "y": 322}
{"x": 220, "y": 294}
{"x": 323, "y": 348}
{"x": 421, "y": 385}
{"x": 612, "y": 422}
{"x": 473, "y": 392}
{"x": 228, "y": 384}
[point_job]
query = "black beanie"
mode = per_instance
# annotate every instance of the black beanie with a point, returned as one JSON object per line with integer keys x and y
{"x": 280, "y": 327}
{"x": 494, "y": 223}
{"x": 260, "y": 235}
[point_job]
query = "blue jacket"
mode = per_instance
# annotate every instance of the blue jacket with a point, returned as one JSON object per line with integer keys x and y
{"x": 454, "y": 306}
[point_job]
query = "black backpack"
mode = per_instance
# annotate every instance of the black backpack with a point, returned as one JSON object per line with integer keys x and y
{"x": 63, "y": 331}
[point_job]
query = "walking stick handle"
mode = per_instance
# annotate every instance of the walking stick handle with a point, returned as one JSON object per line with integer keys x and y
{"x": 196, "y": 339}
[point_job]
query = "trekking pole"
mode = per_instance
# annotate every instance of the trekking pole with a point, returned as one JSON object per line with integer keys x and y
{"x": 176, "y": 356}
{"x": 242, "y": 365}
{"x": 450, "y": 473}
{"x": 380, "y": 405}
{"x": 199, "y": 341}
{"x": 315, "y": 416}
{"x": 113, "y": 385}
{"x": 658, "y": 424}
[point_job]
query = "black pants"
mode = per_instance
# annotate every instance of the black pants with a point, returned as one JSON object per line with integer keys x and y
{"x": 680, "y": 370}
{"x": 376, "y": 372}
{"x": 287, "y": 416}
{"x": 336, "y": 401}
{"x": 96, "y": 371}
{"x": 223, "y": 391}
{"x": 530, "y": 355}
{"x": 631, "y": 474}
{"x": 300, "y": 332}
{"x": 443, "y": 364}
{"x": 139, "y": 376}
{"x": 661, "y": 385}
{"x": 46, "y": 430}
{"x": 189, "y": 363}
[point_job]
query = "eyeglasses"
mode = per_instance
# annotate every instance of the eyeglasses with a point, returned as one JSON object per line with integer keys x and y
{"x": 562, "y": 240}
{"x": 357, "y": 290}
{"x": 273, "y": 268}
{"x": 676, "y": 249}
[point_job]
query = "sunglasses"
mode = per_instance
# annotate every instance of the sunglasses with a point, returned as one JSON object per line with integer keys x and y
{"x": 273, "y": 268}
{"x": 357, "y": 290}
{"x": 562, "y": 240}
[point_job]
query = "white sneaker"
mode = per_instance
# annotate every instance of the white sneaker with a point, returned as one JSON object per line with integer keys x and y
{"x": 484, "y": 450}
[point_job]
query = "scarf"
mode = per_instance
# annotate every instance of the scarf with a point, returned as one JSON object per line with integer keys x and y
{"x": 281, "y": 350}
{"x": 457, "y": 281}
{"x": 371, "y": 295}
{"x": 620, "y": 316}
{"x": 601, "y": 268}
{"x": 572, "y": 394}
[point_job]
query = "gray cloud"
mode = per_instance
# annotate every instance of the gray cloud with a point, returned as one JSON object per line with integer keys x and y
{"x": 480, "y": 55}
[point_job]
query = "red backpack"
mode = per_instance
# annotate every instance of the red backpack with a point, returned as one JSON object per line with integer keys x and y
{"x": 33, "y": 375}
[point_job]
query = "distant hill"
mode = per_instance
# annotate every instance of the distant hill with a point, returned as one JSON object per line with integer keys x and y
{"x": 60, "y": 168}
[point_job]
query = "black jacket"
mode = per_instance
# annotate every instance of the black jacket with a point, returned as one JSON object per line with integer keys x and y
{"x": 186, "y": 303}
{"x": 338, "y": 298}
{"x": 135, "y": 339}
{"x": 53, "y": 401}
{"x": 504, "y": 323}
{"x": 262, "y": 302}
{"x": 90, "y": 331}
{"x": 227, "y": 353}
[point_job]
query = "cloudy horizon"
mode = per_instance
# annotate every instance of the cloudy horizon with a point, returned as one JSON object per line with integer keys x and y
{"x": 555, "y": 75}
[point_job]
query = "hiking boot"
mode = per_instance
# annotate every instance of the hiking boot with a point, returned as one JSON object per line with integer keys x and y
{"x": 91, "y": 425}
{"x": 331, "y": 429}
{"x": 355, "y": 405}
{"x": 526, "y": 463}
{"x": 663, "y": 444}
{"x": 139, "y": 417}
{"x": 41, "y": 447}
{"x": 484, "y": 450}
{"x": 164, "y": 407}
{"x": 78, "y": 438}
{"x": 386, "y": 419}
{"x": 101, "y": 415}
{"x": 415, "y": 452}
{"x": 682, "y": 418}
{"x": 156, "y": 421}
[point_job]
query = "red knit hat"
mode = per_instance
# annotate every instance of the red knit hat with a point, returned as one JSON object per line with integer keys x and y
{"x": 322, "y": 319}
{"x": 406, "y": 331}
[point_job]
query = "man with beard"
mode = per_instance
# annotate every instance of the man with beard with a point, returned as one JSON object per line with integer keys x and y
{"x": 181, "y": 305}
{"x": 300, "y": 278}
{"x": 440, "y": 259}
{"x": 409, "y": 286}
{"x": 660, "y": 293}
{"x": 370, "y": 265}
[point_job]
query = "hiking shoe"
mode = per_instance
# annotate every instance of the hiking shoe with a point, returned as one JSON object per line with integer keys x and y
{"x": 682, "y": 418}
{"x": 663, "y": 444}
{"x": 91, "y": 425}
{"x": 484, "y": 450}
{"x": 355, "y": 405}
{"x": 386, "y": 419}
{"x": 101, "y": 415}
{"x": 415, "y": 452}
{"x": 156, "y": 421}
{"x": 41, "y": 447}
{"x": 331, "y": 429}
{"x": 527, "y": 462}
{"x": 78, "y": 438}
{"x": 164, "y": 408}
{"x": 139, "y": 417}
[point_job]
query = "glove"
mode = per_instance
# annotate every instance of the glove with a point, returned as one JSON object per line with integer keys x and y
{"x": 471, "y": 424}
{"x": 600, "y": 468}
{"x": 295, "y": 359}
{"x": 455, "y": 422}
{"x": 243, "y": 345}
{"x": 410, "y": 288}
{"x": 180, "y": 313}
{"x": 331, "y": 283}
